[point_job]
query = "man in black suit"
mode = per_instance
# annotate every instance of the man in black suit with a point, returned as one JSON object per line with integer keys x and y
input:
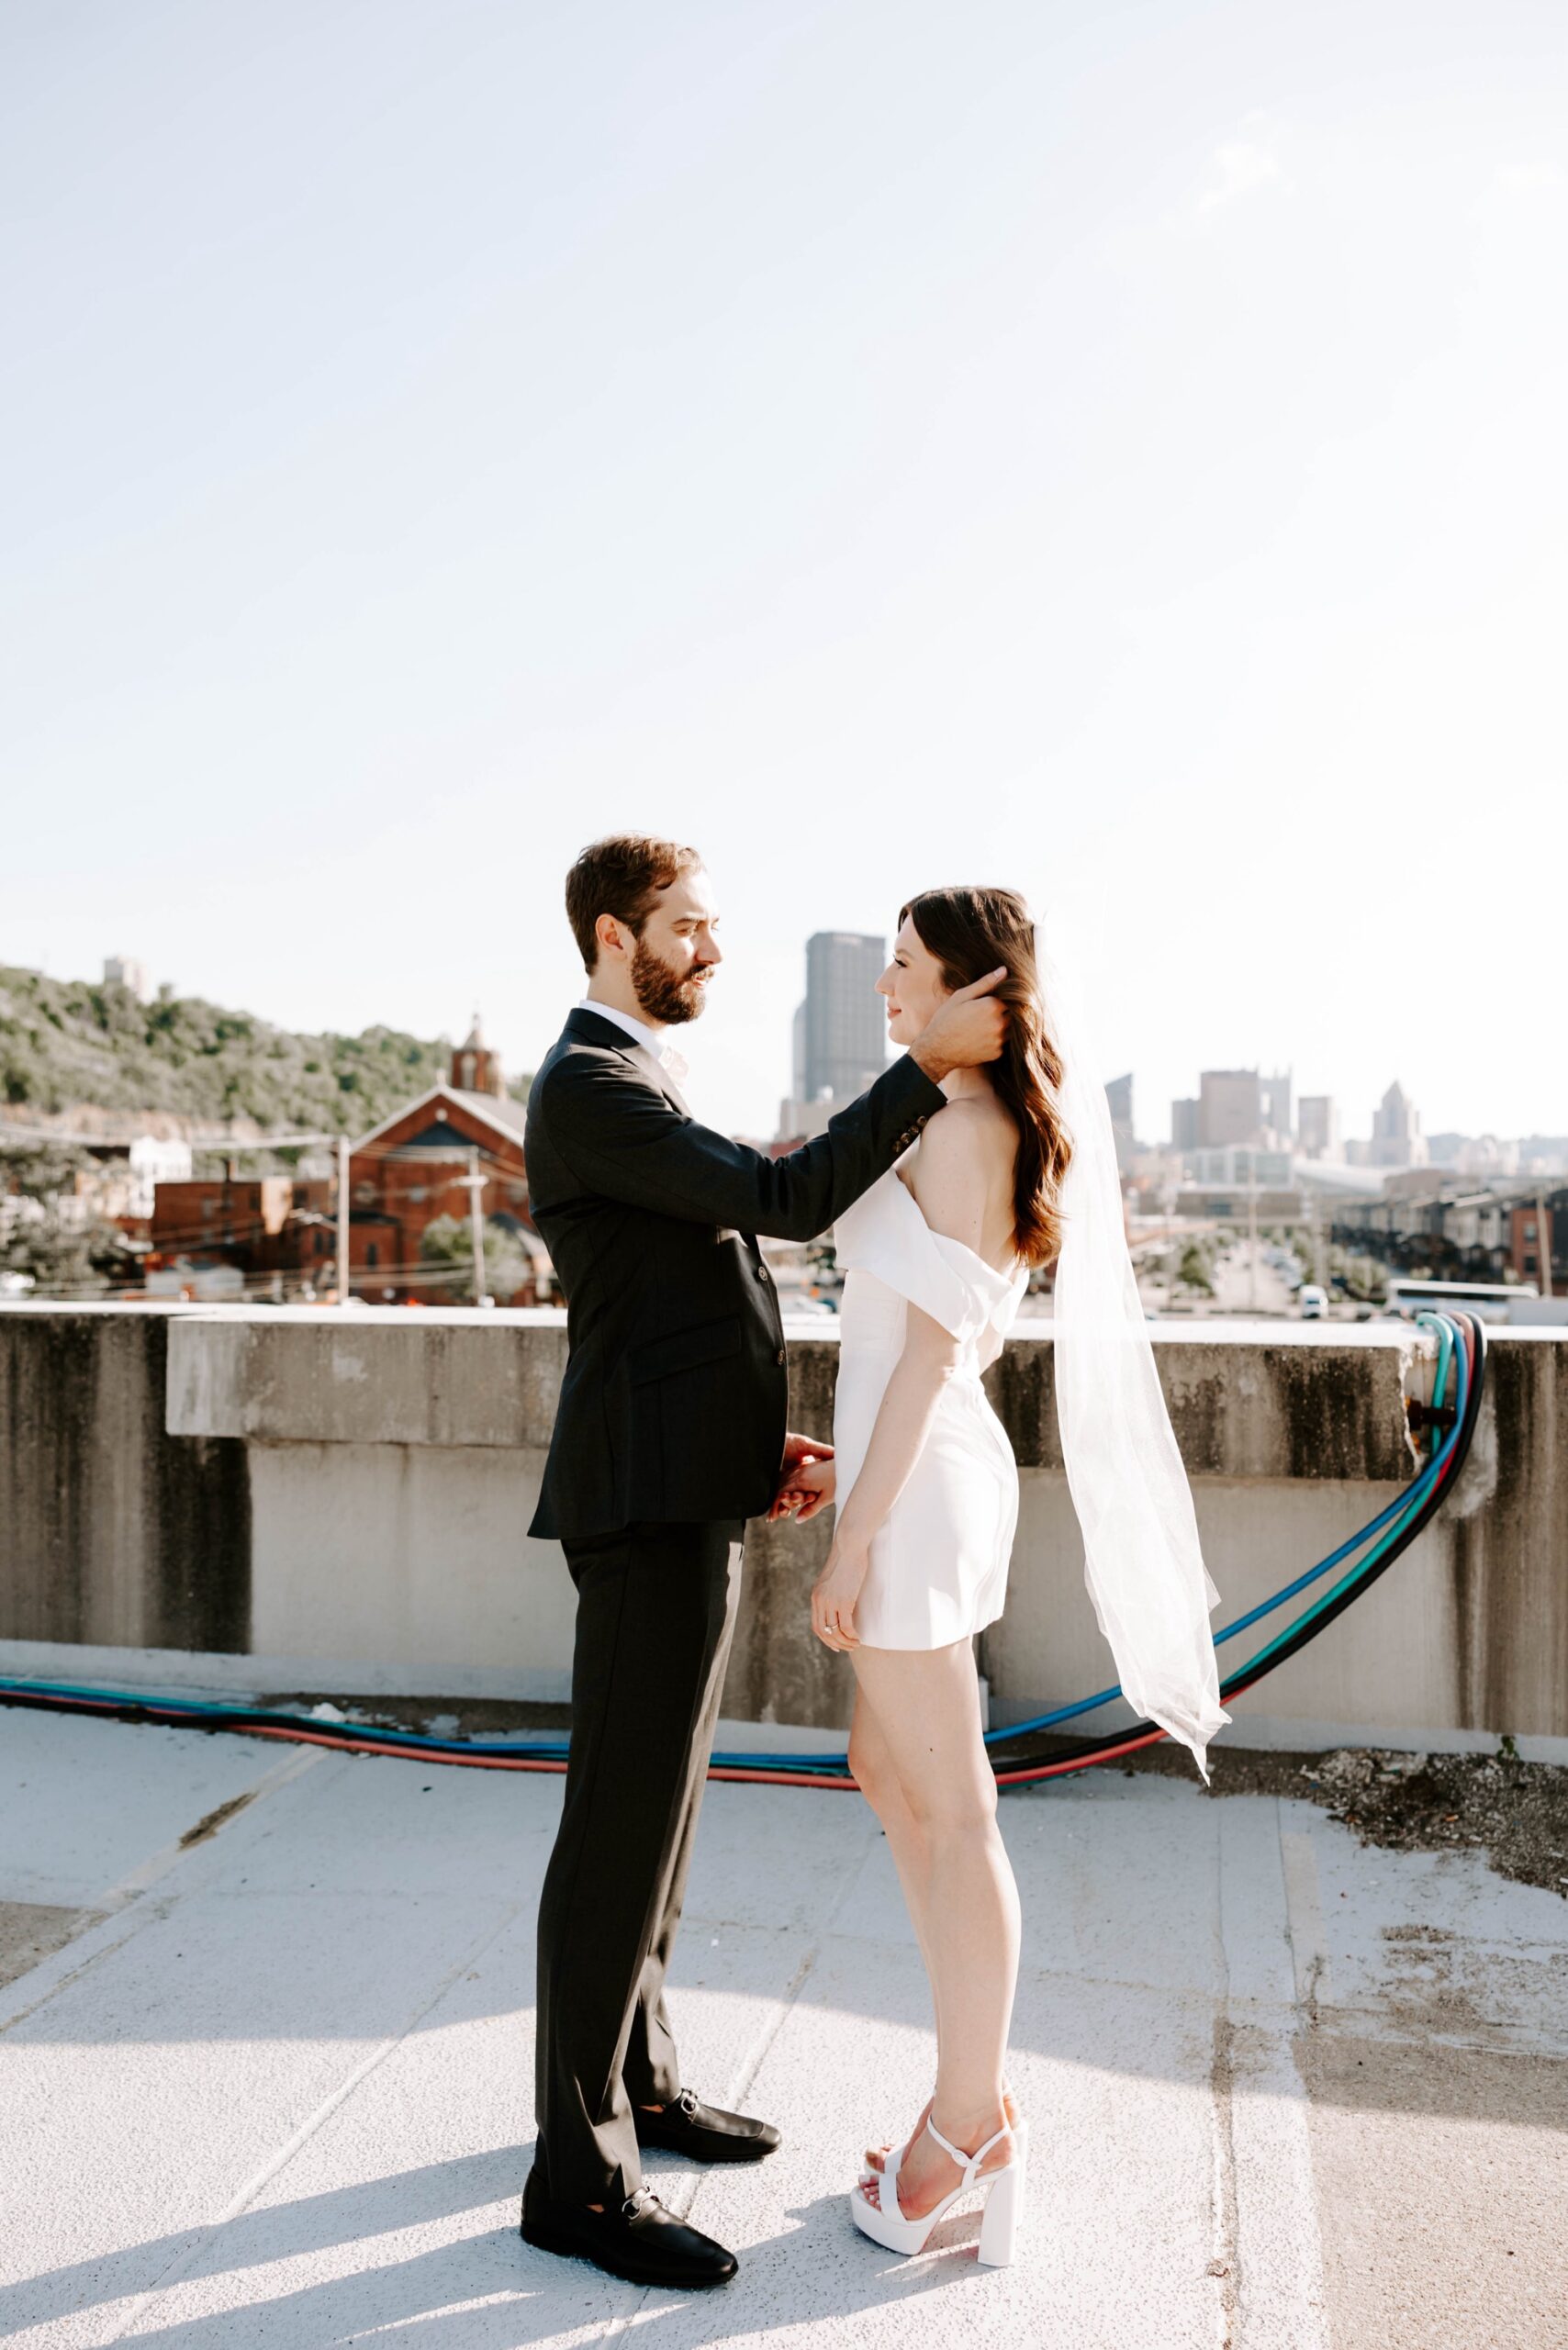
{"x": 670, "y": 1433}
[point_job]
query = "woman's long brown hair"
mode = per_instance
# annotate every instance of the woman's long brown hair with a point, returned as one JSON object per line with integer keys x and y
{"x": 970, "y": 932}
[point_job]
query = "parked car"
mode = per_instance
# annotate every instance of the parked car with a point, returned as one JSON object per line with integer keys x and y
{"x": 1313, "y": 1301}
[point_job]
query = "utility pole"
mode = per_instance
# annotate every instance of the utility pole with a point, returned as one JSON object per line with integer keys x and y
{"x": 1542, "y": 1245}
{"x": 1319, "y": 1240}
{"x": 474, "y": 1184}
{"x": 343, "y": 1220}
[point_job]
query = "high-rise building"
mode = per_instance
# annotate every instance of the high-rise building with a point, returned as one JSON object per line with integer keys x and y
{"x": 846, "y": 1021}
{"x": 1396, "y": 1136}
{"x": 1184, "y": 1124}
{"x": 1230, "y": 1107}
{"x": 1277, "y": 1107}
{"x": 1119, "y": 1096}
{"x": 1317, "y": 1127}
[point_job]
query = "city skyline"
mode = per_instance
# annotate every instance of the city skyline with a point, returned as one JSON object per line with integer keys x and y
{"x": 1125, "y": 1089}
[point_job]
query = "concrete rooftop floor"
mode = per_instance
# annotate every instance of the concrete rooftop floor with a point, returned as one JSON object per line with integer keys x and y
{"x": 269, "y": 2083}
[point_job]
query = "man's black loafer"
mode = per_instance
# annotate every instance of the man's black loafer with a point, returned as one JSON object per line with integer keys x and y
{"x": 705, "y": 2133}
{"x": 638, "y": 2239}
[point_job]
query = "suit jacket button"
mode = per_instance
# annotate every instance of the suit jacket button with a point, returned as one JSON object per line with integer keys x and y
{"x": 779, "y": 1357}
{"x": 762, "y": 1272}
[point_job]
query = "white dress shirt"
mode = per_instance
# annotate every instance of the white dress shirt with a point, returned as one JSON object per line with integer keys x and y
{"x": 653, "y": 1039}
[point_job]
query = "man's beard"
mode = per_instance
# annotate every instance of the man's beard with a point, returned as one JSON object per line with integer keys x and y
{"x": 663, "y": 994}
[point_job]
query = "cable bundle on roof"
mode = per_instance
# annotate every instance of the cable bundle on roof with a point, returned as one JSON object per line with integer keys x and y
{"x": 1461, "y": 1351}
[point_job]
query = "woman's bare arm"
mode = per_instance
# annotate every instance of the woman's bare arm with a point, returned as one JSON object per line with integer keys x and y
{"x": 952, "y": 1191}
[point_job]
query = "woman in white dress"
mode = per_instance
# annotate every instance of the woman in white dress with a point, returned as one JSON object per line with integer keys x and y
{"x": 936, "y": 1257}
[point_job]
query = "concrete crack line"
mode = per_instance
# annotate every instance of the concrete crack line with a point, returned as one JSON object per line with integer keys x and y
{"x": 1280, "y": 2292}
{"x": 797, "y": 1983}
{"x": 131, "y": 1887}
{"x": 1266, "y": 2201}
{"x": 753, "y": 2067}
{"x": 791, "y": 1992}
{"x": 208, "y": 2231}
{"x": 1304, "y": 1915}
{"x": 1224, "y": 2267}
{"x": 1225, "y": 2263}
{"x": 114, "y": 1929}
{"x": 86, "y": 1951}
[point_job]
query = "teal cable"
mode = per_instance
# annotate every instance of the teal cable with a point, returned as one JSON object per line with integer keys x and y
{"x": 1385, "y": 1541}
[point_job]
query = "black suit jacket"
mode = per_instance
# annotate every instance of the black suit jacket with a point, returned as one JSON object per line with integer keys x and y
{"x": 673, "y": 1403}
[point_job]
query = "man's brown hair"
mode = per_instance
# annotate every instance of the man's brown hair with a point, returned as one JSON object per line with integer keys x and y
{"x": 621, "y": 876}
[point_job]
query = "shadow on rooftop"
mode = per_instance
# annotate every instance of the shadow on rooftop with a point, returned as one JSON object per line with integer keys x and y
{"x": 487, "y": 2291}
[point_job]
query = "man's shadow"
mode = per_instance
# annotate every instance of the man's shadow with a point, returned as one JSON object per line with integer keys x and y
{"x": 489, "y": 2290}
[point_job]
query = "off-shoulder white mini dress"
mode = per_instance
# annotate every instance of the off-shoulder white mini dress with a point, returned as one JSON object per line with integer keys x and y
{"x": 938, "y": 1570}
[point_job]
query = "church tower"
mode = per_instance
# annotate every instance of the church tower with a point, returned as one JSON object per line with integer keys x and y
{"x": 475, "y": 1067}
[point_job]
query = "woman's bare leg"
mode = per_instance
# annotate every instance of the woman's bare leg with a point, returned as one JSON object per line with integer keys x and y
{"x": 926, "y": 1704}
{"x": 871, "y": 1762}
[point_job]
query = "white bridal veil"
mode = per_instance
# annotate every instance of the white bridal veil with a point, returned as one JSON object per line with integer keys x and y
{"x": 1143, "y": 1562}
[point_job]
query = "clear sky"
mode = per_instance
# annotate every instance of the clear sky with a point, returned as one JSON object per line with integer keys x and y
{"x": 1113, "y": 449}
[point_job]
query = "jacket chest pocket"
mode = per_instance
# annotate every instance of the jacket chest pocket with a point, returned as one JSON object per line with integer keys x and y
{"x": 684, "y": 1349}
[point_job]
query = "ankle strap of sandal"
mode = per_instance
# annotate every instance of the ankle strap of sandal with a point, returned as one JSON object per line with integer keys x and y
{"x": 970, "y": 2163}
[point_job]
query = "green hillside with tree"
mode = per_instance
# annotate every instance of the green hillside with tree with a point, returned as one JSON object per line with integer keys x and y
{"x": 68, "y": 1043}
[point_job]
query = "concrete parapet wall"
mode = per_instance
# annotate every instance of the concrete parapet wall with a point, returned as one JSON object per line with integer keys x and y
{"x": 111, "y": 1531}
{"x": 313, "y": 1485}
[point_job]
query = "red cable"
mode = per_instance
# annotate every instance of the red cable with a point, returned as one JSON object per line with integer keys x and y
{"x": 407, "y": 1754}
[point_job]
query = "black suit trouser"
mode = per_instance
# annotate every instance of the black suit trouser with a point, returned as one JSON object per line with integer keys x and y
{"x": 656, "y": 1614}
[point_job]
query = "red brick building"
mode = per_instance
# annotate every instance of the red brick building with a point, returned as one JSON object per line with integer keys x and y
{"x": 222, "y": 1221}
{"x": 1528, "y": 1259}
{"x": 276, "y": 1235}
{"x": 414, "y": 1167}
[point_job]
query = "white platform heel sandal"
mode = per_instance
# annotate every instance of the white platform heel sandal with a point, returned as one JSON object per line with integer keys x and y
{"x": 1003, "y": 2189}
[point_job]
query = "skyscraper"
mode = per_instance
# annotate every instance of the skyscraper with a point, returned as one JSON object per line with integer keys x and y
{"x": 1119, "y": 1096}
{"x": 846, "y": 1020}
{"x": 1397, "y": 1140}
{"x": 1277, "y": 1107}
{"x": 1320, "y": 1129}
{"x": 1230, "y": 1107}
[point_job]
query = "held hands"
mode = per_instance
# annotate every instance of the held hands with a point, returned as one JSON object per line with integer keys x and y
{"x": 970, "y": 1028}
{"x": 834, "y": 1598}
{"x": 807, "y": 1480}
